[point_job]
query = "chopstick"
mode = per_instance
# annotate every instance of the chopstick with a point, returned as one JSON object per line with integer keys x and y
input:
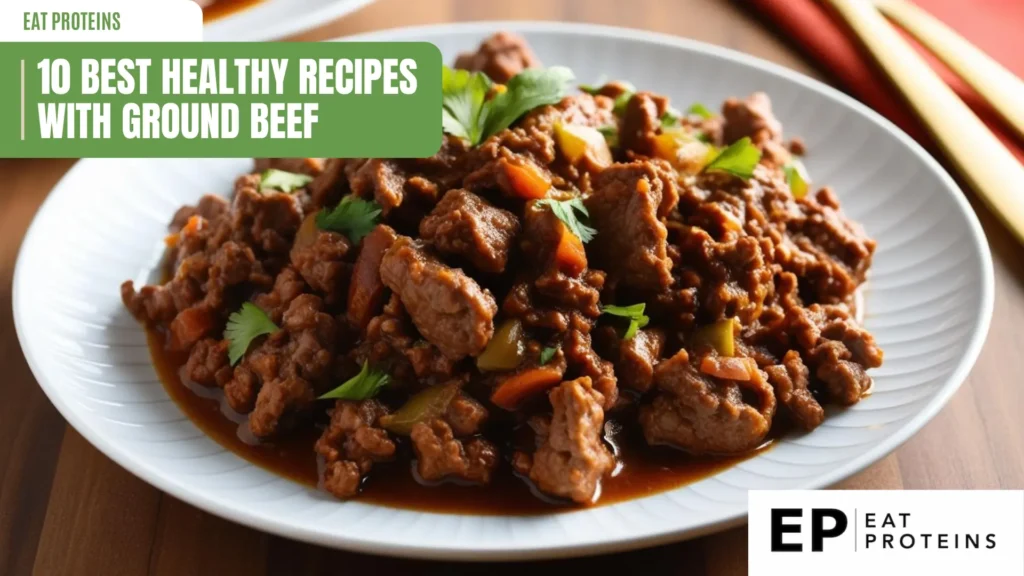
{"x": 1000, "y": 87}
{"x": 991, "y": 170}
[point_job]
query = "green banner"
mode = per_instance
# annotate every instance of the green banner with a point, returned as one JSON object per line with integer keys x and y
{"x": 336, "y": 99}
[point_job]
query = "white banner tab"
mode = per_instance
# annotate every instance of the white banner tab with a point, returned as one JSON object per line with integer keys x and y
{"x": 101, "y": 21}
{"x": 838, "y": 532}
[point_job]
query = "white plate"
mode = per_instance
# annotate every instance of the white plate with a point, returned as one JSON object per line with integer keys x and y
{"x": 929, "y": 304}
{"x": 275, "y": 19}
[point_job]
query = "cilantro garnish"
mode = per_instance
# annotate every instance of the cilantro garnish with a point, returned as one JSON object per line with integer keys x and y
{"x": 796, "y": 177}
{"x": 634, "y": 313}
{"x": 244, "y": 326}
{"x": 547, "y": 354}
{"x": 364, "y": 385}
{"x": 622, "y": 100}
{"x": 353, "y": 217}
{"x": 698, "y": 109}
{"x": 283, "y": 181}
{"x": 467, "y": 113}
{"x": 670, "y": 119}
{"x": 739, "y": 159}
{"x": 565, "y": 210}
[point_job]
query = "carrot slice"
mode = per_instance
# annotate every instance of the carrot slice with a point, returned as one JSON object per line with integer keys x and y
{"x": 570, "y": 256}
{"x": 518, "y": 387}
{"x": 526, "y": 180}
{"x": 189, "y": 326}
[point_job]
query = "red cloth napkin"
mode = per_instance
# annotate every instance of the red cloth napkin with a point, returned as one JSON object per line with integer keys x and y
{"x": 995, "y": 26}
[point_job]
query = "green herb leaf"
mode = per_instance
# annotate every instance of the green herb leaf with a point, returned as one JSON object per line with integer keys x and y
{"x": 244, "y": 326}
{"x": 670, "y": 119}
{"x": 565, "y": 210}
{"x": 796, "y": 177}
{"x": 611, "y": 134}
{"x": 527, "y": 90}
{"x": 283, "y": 181}
{"x": 698, "y": 109}
{"x": 353, "y": 217}
{"x": 634, "y": 313}
{"x": 463, "y": 97}
{"x": 622, "y": 100}
{"x": 364, "y": 385}
{"x": 547, "y": 354}
{"x": 594, "y": 88}
{"x": 704, "y": 137}
{"x": 739, "y": 159}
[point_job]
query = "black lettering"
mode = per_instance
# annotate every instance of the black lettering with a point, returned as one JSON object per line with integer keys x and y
{"x": 869, "y": 520}
{"x": 991, "y": 539}
{"x": 818, "y": 532}
{"x": 903, "y": 541}
{"x": 973, "y": 541}
{"x": 925, "y": 537}
{"x": 904, "y": 515}
{"x": 943, "y": 541}
{"x": 779, "y": 528}
{"x": 888, "y": 522}
{"x": 868, "y": 540}
{"x": 886, "y": 540}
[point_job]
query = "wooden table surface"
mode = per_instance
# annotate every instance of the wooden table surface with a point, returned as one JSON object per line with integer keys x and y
{"x": 67, "y": 509}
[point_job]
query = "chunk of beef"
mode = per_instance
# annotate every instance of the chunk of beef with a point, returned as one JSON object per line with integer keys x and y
{"x": 836, "y": 348}
{"x": 464, "y": 224}
{"x": 264, "y": 220}
{"x": 465, "y": 415}
{"x": 580, "y": 355}
{"x": 733, "y": 278}
{"x": 571, "y": 458}
{"x": 751, "y": 117}
{"x": 501, "y": 56}
{"x": 415, "y": 181}
{"x": 641, "y": 122}
{"x": 210, "y": 207}
{"x": 366, "y": 290}
{"x": 439, "y": 455}
{"x": 320, "y": 258}
{"x": 707, "y": 414}
{"x": 329, "y": 186}
{"x": 830, "y": 253}
{"x": 390, "y": 342}
{"x": 285, "y": 370}
{"x": 631, "y": 241}
{"x": 448, "y": 307}
{"x": 350, "y": 445}
{"x": 637, "y": 357}
{"x": 207, "y": 363}
{"x": 790, "y": 381}
{"x": 287, "y": 287}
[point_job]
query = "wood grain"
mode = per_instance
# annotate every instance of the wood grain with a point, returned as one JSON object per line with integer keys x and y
{"x": 66, "y": 509}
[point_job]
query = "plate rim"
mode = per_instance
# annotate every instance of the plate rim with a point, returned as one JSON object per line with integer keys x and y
{"x": 277, "y": 30}
{"x": 173, "y": 486}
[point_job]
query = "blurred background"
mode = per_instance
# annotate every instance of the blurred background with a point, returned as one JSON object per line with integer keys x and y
{"x": 66, "y": 509}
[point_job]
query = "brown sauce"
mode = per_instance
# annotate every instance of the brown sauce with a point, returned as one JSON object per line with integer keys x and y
{"x": 642, "y": 469}
{"x": 221, "y": 8}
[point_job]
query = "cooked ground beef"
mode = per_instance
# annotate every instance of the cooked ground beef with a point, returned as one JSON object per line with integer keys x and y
{"x": 747, "y": 288}
{"x": 463, "y": 224}
{"x": 501, "y": 57}
{"x": 351, "y": 443}
{"x": 707, "y": 414}
{"x": 625, "y": 205}
{"x": 571, "y": 458}
{"x": 448, "y": 307}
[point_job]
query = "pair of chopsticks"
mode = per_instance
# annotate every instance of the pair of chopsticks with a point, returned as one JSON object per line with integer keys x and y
{"x": 982, "y": 160}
